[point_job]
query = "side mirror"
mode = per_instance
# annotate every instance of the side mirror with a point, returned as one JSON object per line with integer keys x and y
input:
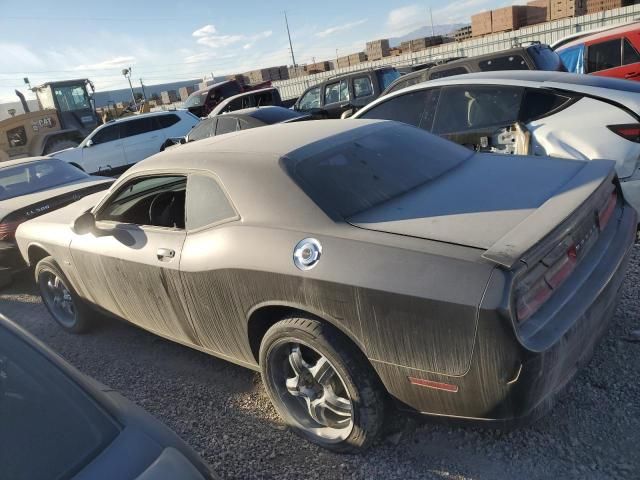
{"x": 347, "y": 113}
{"x": 85, "y": 223}
{"x": 89, "y": 143}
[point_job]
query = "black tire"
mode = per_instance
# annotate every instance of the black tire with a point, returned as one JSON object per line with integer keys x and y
{"x": 61, "y": 144}
{"x": 80, "y": 318}
{"x": 353, "y": 371}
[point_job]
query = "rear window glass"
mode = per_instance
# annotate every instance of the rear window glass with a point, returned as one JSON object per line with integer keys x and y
{"x": 387, "y": 161}
{"x": 167, "y": 120}
{"x": 32, "y": 177}
{"x": 275, "y": 114}
{"x": 506, "y": 62}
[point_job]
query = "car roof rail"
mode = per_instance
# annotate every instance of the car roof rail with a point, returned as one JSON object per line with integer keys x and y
{"x": 362, "y": 70}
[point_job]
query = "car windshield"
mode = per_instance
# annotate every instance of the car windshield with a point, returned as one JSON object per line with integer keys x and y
{"x": 387, "y": 77}
{"x": 386, "y": 161}
{"x": 196, "y": 100}
{"x": 275, "y": 115}
{"x": 31, "y": 177}
{"x": 50, "y": 428}
{"x": 546, "y": 59}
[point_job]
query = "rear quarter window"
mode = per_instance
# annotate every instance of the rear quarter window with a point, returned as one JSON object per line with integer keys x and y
{"x": 506, "y": 62}
{"x": 448, "y": 72}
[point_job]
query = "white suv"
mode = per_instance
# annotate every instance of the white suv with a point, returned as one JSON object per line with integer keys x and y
{"x": 115, "y": 146}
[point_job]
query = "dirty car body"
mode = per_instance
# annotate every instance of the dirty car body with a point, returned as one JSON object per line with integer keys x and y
{"x": 464, "y": 302}
{"x": 525, "y": 112}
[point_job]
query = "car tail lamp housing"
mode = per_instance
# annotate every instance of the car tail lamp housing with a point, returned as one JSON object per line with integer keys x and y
{"x": 538, "y": 284}
{"x": 8, "y": 230}
{"x": 606, "y": 209}
{"x": 628, "y": 131}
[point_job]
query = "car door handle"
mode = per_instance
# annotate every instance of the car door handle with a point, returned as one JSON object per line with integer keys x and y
{"x": 631, "y": 75}
{"x": 165, "y": 254}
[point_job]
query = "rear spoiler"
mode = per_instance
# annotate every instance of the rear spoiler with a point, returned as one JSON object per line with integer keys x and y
{"x": 511, "y": 248}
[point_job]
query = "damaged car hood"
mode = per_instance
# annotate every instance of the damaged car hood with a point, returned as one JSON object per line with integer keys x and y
{"x": 488, "y": 198}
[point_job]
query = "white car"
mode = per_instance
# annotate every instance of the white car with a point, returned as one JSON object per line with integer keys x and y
{"x": 529, "y": 113}
{"x": 115, "y": 146}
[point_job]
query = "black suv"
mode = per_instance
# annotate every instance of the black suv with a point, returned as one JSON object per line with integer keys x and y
{"x": 351, "y": 91}
{"x": 534, "y": 57}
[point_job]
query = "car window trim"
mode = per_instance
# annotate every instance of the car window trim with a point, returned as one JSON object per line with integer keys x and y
{"x": 588, "y": 48}
{"x": 185, "y": 172}
{"x": 626, "y": 41}
{"x": 215, "y": 178}
{"x": 125, "y": 181}
{"x": 353, "y": 85}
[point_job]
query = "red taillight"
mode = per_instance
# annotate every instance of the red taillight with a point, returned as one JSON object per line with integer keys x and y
{"x": 531, "y": 301}
{"x": 8, "y": 230}
{"x": 630, "y": 131}
{"x": 606, "y": 211}
{"x": 536, "y": 291}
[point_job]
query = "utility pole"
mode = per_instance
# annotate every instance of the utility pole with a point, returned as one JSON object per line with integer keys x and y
{"x": 144, "y": 94}
{"x": 293, "y": 58}
{"x": 127, "y": 74}
{"x": 433, "y": 32}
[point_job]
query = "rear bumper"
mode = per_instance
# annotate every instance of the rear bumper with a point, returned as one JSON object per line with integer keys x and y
{"x": 545, "y": 373}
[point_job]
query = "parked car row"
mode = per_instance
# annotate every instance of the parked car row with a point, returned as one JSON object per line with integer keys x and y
{"x": 456, "y": 247}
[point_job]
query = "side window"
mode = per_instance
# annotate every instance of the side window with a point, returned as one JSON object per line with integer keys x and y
{"x": 629, "y": 53}
{"x": 448, "y": 73}
{"x": 202, "y": 130}
{"x": 153, "y": 201}
{"x": 264, "y": 99}
{"x": 538, "y": 104}
{"x": 226, "y": 124}
{"x": 336, "y": 92}
{"x": 310, "y": 100}
{"x": 167, "y": 121}
{"x": 17, "y": 137}
{"x": 332, "y": 93}
{"x": 344, "y": 91}
{"x": 243, "y": 124}
{"x": 207, "y": 203}
{"x": 107, "y": 134}
{"x": 464, "y": 108}
{"x": 415, "y": 108}
{"x": 508, "y": 62}
{"x": 136, "y": 127}
{"x": 604, "y": 55}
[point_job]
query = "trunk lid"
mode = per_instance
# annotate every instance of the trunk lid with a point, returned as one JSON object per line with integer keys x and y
{"x": 499, "y": 203}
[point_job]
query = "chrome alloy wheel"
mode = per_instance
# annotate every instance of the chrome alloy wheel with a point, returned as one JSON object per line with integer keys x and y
{"x": 312, "y": 392}
{"x": 58, "y": 298}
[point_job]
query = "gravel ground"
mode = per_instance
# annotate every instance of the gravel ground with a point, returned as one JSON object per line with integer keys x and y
{"x": 222, "y": 410}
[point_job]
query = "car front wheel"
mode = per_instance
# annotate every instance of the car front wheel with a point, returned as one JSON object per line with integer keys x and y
{"x": 63, "y": 303}
{"x": 321, "y": 385}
